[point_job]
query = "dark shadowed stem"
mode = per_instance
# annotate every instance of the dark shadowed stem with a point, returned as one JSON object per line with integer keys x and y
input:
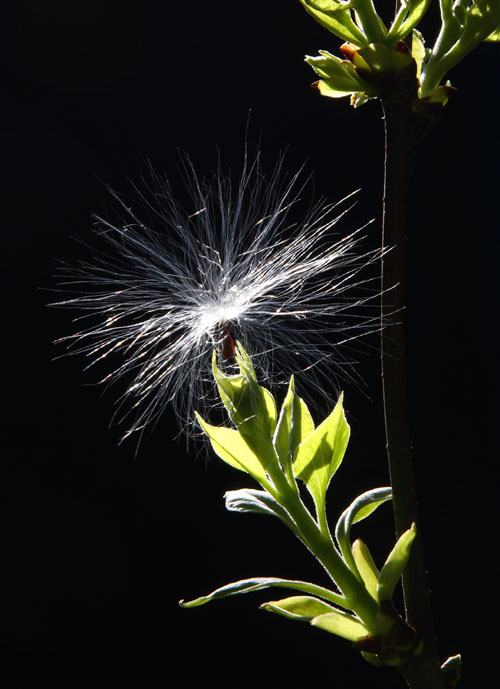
{"x": 399, "y": 146}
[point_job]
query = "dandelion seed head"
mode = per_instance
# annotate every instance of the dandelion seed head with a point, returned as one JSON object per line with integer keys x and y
{"x": 173, "y": 283}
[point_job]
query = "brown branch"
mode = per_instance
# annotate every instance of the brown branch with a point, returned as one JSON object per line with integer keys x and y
{"x": 400, "y": 139}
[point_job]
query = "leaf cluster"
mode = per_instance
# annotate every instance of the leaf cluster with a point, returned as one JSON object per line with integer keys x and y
{"x": 379, "y": 60}
{"x": 280, "y": 451}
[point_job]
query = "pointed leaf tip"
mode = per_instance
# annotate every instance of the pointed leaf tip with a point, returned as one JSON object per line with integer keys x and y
{"x": 360, "y": 508}
{"x": 395, "y": 564}
{"x": 294, "y": 425}
{"x": 258, "y": 583}
{"x": 366, "y": 567}
{"x": 318, "y": 456}
{"x": 301, "y": 608}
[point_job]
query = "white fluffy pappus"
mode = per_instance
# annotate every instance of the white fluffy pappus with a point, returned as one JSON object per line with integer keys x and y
{"x": 172, "y": 284}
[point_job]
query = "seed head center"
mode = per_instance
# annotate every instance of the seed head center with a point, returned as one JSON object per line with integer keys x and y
{"x": 223, "y": 310}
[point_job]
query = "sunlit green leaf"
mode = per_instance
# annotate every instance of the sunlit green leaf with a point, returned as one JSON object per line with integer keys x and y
{"x": 395, "y": 564}
{"x": 253, "y": 411}
{"x": 246, "y": 401}
{"x": 418, "y": 49}
{"x": 302, "y": 608}
{"x": 494, "y": 37}
{"x": 256, "y": 584}
{"x": 230, "y": 446}
{"x": 328, "y": 89}
{"x": 339, "y": 77}
{"x": 369, "y": 507}
{"x": 464, "y": 27}
{"x": 336, "y": 17}
{"x": 366, "y": 567}
{"x": 481, "y": 20}
{"x": 342, "y": 624}
{"x": 257, "y": 502}
{"x": 294, "y": 425}
{"x": 318, "y": 457}
{"x": 364, "y": 505}
{"x": 231, "y": 391}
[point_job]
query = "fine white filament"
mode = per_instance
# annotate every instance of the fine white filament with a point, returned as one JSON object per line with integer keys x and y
{"x": 173, "y": 283}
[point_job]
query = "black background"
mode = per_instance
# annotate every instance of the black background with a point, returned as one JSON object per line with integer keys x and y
{"x": 99, "y": 544}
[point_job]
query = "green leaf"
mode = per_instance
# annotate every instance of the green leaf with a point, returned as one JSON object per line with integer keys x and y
{"x": 395, "y": 564}
{"x": 335, "y": 16}
{"x": 359, "y": 509}
{"x": 231, "y": 390}
{"x": 258, "y": 502}
{"x": 248, "y": 404}
{"x": 480, "y": 21}
{"x": 252, "y": 409}
{"x": 318, "y": 457}
{"x": 302, "y": 608}
{"x": 366, "y": 567}
{"x": 295, "y": 424}
{"x": 464, "y": 27}
{"x": 342, "y": 624}
{"x": 256, "y": 584}
{"x": 339, "y": 77}
{"x": 494, "y": 37}
{"x": 409, "y": 15}
{"x": 232, "y": 448}
{"x": 328, "y": 89}
{"x": 418, "y": 50}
